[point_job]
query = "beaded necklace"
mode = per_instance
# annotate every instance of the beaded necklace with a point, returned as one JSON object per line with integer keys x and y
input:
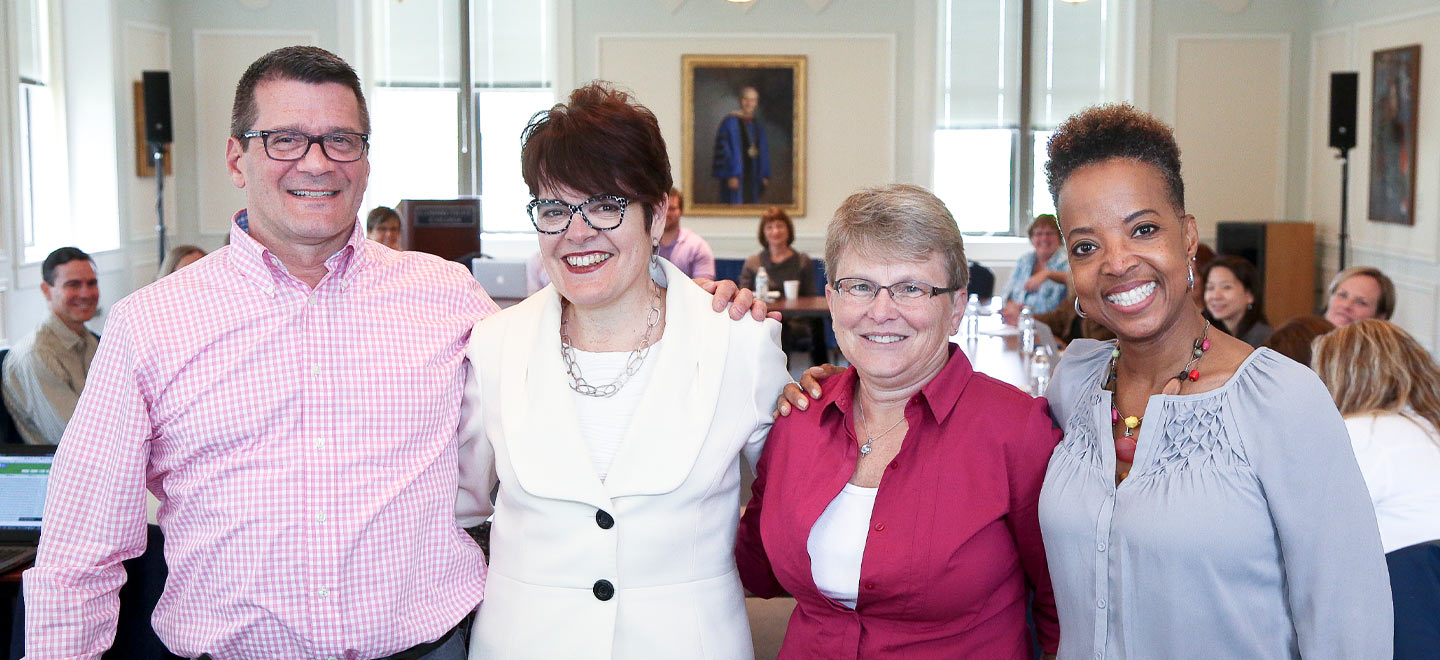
{"x": 1125, "y": 445}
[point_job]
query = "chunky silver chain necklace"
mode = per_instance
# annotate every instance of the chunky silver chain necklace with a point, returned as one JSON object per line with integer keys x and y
{"x": 637, "y": 357}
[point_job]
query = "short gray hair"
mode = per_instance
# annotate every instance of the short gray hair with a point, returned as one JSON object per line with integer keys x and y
{"x": 897, "y": 222}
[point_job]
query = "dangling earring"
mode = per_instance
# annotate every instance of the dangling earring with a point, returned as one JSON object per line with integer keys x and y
{"x": 656, "y": 272}
{"x": 1079, "y": 312}
{"x": 1190, "y": 276}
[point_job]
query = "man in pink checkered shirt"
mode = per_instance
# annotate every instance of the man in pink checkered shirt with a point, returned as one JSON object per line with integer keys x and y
{"x": 292, "y": 399}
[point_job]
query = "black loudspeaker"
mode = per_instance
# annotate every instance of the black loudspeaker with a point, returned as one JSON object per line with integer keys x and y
{"x": 157, "y": 107}
{"x": 1342, "y": 109}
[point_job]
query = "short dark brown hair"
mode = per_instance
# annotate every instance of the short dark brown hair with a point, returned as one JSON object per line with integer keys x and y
{"x": 1103, "y": 132}
{"x": 1297, "y": 336}
{"x": 776, "y": 214}
{"x": 378, "y": 215}
{"x": 58, "y": 258}
{"x": 599, "y": 142}
{"x": 306, "y": 64}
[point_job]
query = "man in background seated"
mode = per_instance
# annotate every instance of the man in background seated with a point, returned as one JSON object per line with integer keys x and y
{"x": 45, "y": 371}
{"x": 683, "y": 247}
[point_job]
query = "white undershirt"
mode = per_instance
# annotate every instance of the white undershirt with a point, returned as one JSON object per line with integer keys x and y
{"x": 604, "y": 420}
{"x": 837, "y": 543}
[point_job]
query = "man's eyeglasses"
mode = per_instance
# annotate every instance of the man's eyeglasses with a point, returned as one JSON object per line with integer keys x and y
{"x": 342, "y": 147}
{"x": 601, "y": 212}
{"x": 861, "y": 290}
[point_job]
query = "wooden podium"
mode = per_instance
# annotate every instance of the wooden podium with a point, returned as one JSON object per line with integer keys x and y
{"x": 447, "y": 228}
{"x": 1284, "y": 252}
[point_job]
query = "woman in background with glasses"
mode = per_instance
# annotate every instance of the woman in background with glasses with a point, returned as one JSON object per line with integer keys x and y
{"x": 901, "y": 510}
{"x": 611, "y": 407}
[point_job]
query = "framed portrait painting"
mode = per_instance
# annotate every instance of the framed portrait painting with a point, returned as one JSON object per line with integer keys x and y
{"x": 744, "y": 134}
{"x": 1396, "y": 97}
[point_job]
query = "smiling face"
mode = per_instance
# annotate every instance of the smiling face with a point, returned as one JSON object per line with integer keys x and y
{"x": 892, "y": 345}
{"x": 777, "y": 235}
{"x": 1046, "y": 240}
{"x": 1225, "y": 296}
{"x": 1129, "y": 248}
{"x": 386, "y": 233}
{"x": 1356, "y": 298}
{"x": 75, "y": 294}
{"x": 749, "y": 101}
{"x": 311, "y": 201}
{"x": 595, "y": 269}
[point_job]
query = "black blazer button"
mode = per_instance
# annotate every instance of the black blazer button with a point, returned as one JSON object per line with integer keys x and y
{"x": 604, "y": 590}
{"x": 604, "y": 520}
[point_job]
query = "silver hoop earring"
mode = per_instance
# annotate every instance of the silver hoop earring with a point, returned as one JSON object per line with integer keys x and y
{"x": 1190, "y": 276}
{"x": 1079, "y": 312}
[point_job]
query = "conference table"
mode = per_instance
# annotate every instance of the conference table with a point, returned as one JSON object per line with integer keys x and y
{"x": 994, "y": 350}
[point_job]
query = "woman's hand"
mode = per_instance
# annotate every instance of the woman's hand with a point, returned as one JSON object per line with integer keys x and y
{"x": 740, "y": 300}
{"x": 1033, "y": 284}
{"x": 793, "y": 396}
{"x": 1010, "y": 313}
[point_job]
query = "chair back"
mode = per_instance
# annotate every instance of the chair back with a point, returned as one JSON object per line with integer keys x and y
{"x": 729, "y": 269}
{"x": 1415, "y": 588}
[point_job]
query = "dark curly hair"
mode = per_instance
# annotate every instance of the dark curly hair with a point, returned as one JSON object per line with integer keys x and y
{"x": 1103, "y": 132}
{"x": 599, "y": 142}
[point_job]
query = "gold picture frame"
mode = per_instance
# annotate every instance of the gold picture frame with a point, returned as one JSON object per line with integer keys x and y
{"x": 739, "y": 162}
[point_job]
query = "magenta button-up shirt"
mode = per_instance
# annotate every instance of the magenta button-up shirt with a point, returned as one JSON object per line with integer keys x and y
{"x": 954, "y": 545}
{"x": 302, "y": 445}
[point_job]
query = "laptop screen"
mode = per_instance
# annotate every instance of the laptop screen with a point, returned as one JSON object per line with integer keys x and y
{"x": 23, "y": 479}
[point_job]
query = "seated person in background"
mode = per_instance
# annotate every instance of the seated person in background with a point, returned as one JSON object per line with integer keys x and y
{"x": 383, "y": 227}
{"x": 1357, "y": 293}
{"x": 1040, "y": 275}
{"x": 45, "y": 372}
{"x": 1388, "y": 388}
{"x": 684, "y": 248}
{"x": 1293, "y": 339}
{"x": 1067, "y": 324}
{"x": 180, "y": 256}
{"x": 781, "y": 263}
{"x": 1232, "y": 299}
{"x": 942, "y": 557}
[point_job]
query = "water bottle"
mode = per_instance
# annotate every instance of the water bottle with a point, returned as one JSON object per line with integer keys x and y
{"x": 1027, "y": 331}
{"x": 972, "y": 316}
{"x": 762, "y": 283}
{"x": 1039, "y": 372}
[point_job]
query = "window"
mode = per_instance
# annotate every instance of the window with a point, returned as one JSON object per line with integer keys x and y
{"x": 447, "y": 104}
{"x": 44, "y": 178}
{"x": 1003, "y": 90}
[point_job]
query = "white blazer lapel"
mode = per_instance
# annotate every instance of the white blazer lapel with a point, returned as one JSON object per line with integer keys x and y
{"x": 670, "y": 426}
{"x": 542, "y": 430}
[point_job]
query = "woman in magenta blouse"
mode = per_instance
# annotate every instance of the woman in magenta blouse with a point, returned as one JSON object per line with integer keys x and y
{"x": 900, "y": 508}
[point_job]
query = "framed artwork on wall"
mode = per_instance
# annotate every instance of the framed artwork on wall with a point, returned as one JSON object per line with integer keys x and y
{"x": 744, "y": 134}
{"x": 1395, "y": 89}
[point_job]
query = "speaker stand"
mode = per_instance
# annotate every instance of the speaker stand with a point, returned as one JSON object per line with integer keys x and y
{"x": 157, "y": 155}
{"x": 1344, "y": 203}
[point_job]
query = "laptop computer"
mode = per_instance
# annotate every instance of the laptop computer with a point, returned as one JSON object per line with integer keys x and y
{"x": 502, "y": 278}
{"x": 24, "y": 477}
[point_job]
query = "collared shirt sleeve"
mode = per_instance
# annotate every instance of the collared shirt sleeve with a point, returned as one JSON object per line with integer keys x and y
{"x": 1029, "y": 455}
{"x": 703, "y": 267}
{"x": 94, "y": 508}
{"x": 38, "y": 398}
{"x": 1336, "y": 578}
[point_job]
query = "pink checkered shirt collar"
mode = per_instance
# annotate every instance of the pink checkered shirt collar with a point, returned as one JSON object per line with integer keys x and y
{"x": 259, "y": 265}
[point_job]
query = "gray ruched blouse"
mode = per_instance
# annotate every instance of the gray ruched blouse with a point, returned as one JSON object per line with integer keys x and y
{"x": 1244, "y": 530}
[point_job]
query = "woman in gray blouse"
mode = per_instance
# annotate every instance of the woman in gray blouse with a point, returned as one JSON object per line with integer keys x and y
{"x": 1205, "y": 501}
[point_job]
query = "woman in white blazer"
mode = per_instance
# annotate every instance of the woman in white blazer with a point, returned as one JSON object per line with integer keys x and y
{"x": 611, "y": 407}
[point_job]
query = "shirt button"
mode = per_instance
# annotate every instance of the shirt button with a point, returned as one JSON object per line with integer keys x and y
{"x": 320, "y": 518}
{"x": 320, "y": 444}
{"x": 323, "y": 593}
{"x": 315, "y": 370}
{"x": 869, "y": 585}
{"x": 880, "y": 527}
{"x": 1100, "y": 603}
{"x": 604, "y": 590}
{"x": 1100, "y": 546}
{"x": 604, "y": 520}
{"x": 893, "y": 465}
